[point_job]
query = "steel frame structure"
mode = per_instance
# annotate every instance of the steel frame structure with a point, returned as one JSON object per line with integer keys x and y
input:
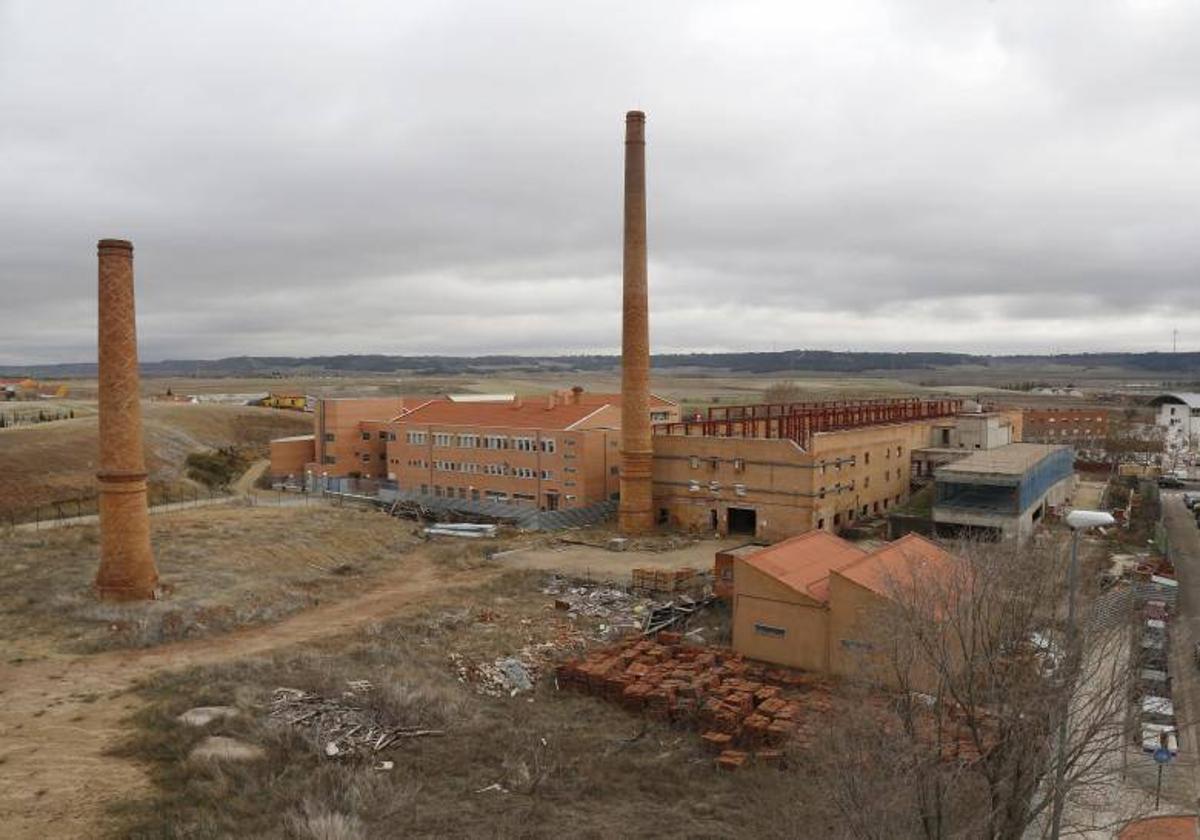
{"x": 798, "y": 422}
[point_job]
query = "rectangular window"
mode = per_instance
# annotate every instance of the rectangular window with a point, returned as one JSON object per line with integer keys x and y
{"x": 415, "y": 437}
{"x": 329, "y": 437}
{"x": 383, "y": 436}
{"x": 330, "y": 459}
{"x": 366, "y": 435}
{"x": 442, "y": 439}
{"x": 548, "y": 445}
{"x": 424, "y": 489}
{"x": 547, "y": 475}
{"x": 391, "y": 437}
{"x": 769, "y": 630}
{"x": 611, "y": 470}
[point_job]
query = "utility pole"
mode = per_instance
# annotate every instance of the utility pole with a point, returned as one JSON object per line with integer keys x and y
{"x": 1174, "y": 341}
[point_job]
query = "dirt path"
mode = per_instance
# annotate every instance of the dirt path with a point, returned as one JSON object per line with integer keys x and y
{"x": 59, "y": 716}
{"x": 253, "y": 473}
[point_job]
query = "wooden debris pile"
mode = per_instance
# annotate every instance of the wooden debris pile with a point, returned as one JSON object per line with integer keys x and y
{"x": 732, "y": 701}
{"x": 343, "y": 727}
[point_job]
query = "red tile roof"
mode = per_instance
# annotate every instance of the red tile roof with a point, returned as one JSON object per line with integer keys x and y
{"x": 526, "y": 414}
{"x": 910, "y": 558}
{"x": 804, "y": 563}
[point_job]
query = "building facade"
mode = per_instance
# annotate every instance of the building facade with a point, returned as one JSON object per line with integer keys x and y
{"x": 772, "y": 472}
{"x": 1003, "y": 492}
{"x": 554, "y": 451}
{"x": 1084, "y": 429}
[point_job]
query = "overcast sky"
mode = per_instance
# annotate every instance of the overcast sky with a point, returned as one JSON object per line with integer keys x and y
{"x": 445, "y": 177}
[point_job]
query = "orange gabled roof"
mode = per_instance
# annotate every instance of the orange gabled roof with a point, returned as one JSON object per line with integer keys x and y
{"x": 911, "y": 559}
{"x": 595, "y": 399}
{"x": 528, "y": 414}
{"x": 804, "y": 563}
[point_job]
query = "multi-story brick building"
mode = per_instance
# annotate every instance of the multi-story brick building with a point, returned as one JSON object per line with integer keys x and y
{"x": 554, "y": 451}
{"x": 773, "y": 471}
{"x": 1085, "y": 429}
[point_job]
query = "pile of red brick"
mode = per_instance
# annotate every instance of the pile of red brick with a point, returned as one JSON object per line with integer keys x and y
{"x": 734, "y": 702}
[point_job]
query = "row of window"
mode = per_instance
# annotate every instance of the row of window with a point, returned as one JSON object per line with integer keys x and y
{"x": 475, "y": 494}
{"x": 470, "y": 441}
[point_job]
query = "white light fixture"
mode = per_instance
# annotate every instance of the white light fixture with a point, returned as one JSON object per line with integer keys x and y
{"x": 1082, "y": 519}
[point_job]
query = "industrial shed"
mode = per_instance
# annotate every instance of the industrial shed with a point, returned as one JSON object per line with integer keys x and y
{"x": 813, "y": 601}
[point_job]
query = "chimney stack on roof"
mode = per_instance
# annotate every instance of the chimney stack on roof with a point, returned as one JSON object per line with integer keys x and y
{"x": 635, "y": 514}
{"x": 127, "y": 570}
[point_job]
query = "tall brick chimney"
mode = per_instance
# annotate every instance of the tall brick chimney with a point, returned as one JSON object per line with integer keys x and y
{"x": 635, "y": 515}
{"x": 127, "y": 569}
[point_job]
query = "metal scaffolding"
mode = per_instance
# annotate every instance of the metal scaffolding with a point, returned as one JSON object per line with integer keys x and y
{"x": 798, "y": 422}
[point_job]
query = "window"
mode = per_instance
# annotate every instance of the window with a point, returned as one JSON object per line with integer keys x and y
{"x": 366, "y": 435}
{"x": 548, "y": 445}
{"x": 442, "y": 439}
{"x": 866, "y": 457}
{"x": 887, "y": 475}
{"x": 611, "y": 470}
{"x": 382, "y": 456}
{"x": 383, "y": 436}
{"x": 523, "y": 444}
{"x": 547, "y": 475}
{"x": 330, "y": 459}
{"x": 739, "y": 464}
{"x": 693, "y": 486}
{"x": 899, "y": 451}
{"x": 495, "y": 442}
{"x": 424, "y": 489}
{"x": 821, "y": 493}
{"x": 416, "y": 437}
{"x": 694, "y": 462}
{"x": 769, "y": 630}
{"x": 469, "y": 441}
{"x": 391, "y": 437}
{"x": 329, "y": 437}
{"x": 820, "y": 524}
{"x": 739, "y": 489}
{"x": 866, "y": 482}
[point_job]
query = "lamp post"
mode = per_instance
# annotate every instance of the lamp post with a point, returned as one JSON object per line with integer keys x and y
{"x": 1077, "y": 520}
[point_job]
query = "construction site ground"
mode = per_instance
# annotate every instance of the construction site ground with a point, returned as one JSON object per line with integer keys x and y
{"x": 65, "y": 716}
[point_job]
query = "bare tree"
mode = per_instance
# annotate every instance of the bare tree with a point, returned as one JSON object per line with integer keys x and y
{"x": 964, "y": 743}
{"x": 784, "y": 391}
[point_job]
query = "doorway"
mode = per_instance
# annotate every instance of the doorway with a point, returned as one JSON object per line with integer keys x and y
{"x": 743, "y": 521}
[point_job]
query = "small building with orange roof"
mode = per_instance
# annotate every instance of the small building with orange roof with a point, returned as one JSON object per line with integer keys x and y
{"x": 815, "y": 601}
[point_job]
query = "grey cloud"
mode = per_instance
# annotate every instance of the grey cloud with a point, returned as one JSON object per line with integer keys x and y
{"x": 445, "y": 177}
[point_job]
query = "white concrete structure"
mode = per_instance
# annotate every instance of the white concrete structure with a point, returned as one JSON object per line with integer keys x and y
{"x": 1179, "y": 415}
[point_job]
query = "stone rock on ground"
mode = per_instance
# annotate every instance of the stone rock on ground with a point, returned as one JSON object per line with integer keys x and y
{"x": 204, "y": 715}
{"x": 227, "y": 749}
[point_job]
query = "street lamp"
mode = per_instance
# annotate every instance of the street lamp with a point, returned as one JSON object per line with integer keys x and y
{"x": 1077, "y": 520}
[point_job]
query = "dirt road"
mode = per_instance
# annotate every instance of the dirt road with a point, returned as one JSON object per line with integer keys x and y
{"x": 58, "y": 716}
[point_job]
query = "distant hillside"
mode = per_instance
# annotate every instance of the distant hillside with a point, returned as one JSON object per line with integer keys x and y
{"x": 786, "y": 360}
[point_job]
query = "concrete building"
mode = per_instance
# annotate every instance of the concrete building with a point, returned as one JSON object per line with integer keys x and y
{"x": 774, "y": 471}
{"x": 815, "y": 601}
{"x": 1003, "y": 492}
{"x": 954, "y": 438}
{"x": 1179, "y": 416}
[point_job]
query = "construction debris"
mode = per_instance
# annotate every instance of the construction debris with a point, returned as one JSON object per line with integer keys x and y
{"x": 345, "y": 727}
{"x": 741, "y": 707}
{"x": 668, "y": 581}
{"x": 508, "y": 676}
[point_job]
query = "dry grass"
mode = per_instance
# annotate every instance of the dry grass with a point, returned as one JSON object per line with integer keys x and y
{"x": 56, "y": 462}
{"x": 223, "y": 567}
{"x": 569, "y": 766}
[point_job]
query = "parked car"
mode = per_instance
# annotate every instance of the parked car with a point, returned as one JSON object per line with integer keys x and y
{"x": 1170, "y": 482}
{"x": 1190, "y": 499}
